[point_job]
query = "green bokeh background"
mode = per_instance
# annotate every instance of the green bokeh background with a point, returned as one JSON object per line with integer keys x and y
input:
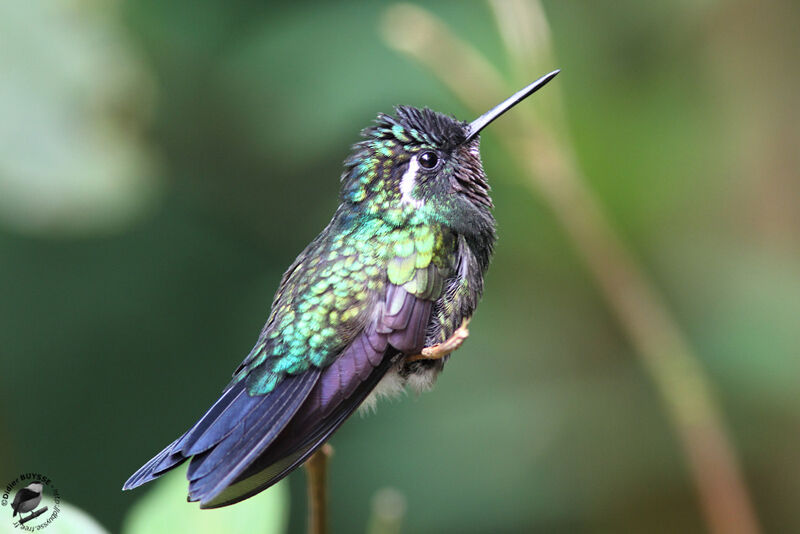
{"x": 161, "y": 163}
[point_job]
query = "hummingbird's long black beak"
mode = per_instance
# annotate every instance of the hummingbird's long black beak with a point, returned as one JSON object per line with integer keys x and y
{"x": 483, "y": 121}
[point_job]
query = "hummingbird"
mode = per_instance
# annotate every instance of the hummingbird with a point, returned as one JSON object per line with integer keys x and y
{"x": 375, "y": 303}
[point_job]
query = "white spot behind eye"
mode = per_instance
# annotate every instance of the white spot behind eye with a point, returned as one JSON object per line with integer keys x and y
{"x": 408, "y": 182}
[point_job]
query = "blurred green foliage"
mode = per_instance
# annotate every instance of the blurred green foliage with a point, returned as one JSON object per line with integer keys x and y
{"x": 156, "y": 512}
{"x": 138, "y": 261}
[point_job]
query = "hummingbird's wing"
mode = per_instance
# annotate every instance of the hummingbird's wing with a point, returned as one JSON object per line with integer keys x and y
{"x": 341, "y": 388}
{"x": 336, "y": 327}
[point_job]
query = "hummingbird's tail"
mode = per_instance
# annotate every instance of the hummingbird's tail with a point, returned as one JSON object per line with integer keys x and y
{"x": 234, "y": 431}
{"x": 244, "y": 443}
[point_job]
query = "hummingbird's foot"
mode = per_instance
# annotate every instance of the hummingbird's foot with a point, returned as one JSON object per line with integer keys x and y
{"x": 440, "y": 350}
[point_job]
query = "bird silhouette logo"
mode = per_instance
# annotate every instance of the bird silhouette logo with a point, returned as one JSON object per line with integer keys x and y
{"x": 27, "y": 499}
{"x": 33, "y": 501}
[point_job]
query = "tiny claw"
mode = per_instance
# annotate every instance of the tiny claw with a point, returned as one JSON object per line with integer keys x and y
{"x": 440, "y": 350}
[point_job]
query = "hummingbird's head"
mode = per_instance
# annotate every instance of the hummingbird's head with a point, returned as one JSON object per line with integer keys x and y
{"x": 414, "y": 162}
{"x": 424, "y": 164}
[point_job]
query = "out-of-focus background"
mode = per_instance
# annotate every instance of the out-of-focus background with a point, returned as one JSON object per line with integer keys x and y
{"x": 162, "y": 163}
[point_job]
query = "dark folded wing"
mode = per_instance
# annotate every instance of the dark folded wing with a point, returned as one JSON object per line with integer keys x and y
{"x": 341, "y": 388}
{"x": 245, "y": 443}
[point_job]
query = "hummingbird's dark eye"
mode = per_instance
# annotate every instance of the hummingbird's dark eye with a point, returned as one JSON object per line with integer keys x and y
{"x": 428, "y": 159}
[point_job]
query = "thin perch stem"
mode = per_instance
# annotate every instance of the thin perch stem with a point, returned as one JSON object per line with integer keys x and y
{"x": 643, "y": 316}
{"x": 34, "y": 515}
{"x": 317, "y": 472}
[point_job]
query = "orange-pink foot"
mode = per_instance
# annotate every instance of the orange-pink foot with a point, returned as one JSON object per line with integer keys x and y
{"x": 440, "y": 350}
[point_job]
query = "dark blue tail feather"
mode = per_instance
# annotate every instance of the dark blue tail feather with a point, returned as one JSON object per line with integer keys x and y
{"x": 233, "y": 415}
